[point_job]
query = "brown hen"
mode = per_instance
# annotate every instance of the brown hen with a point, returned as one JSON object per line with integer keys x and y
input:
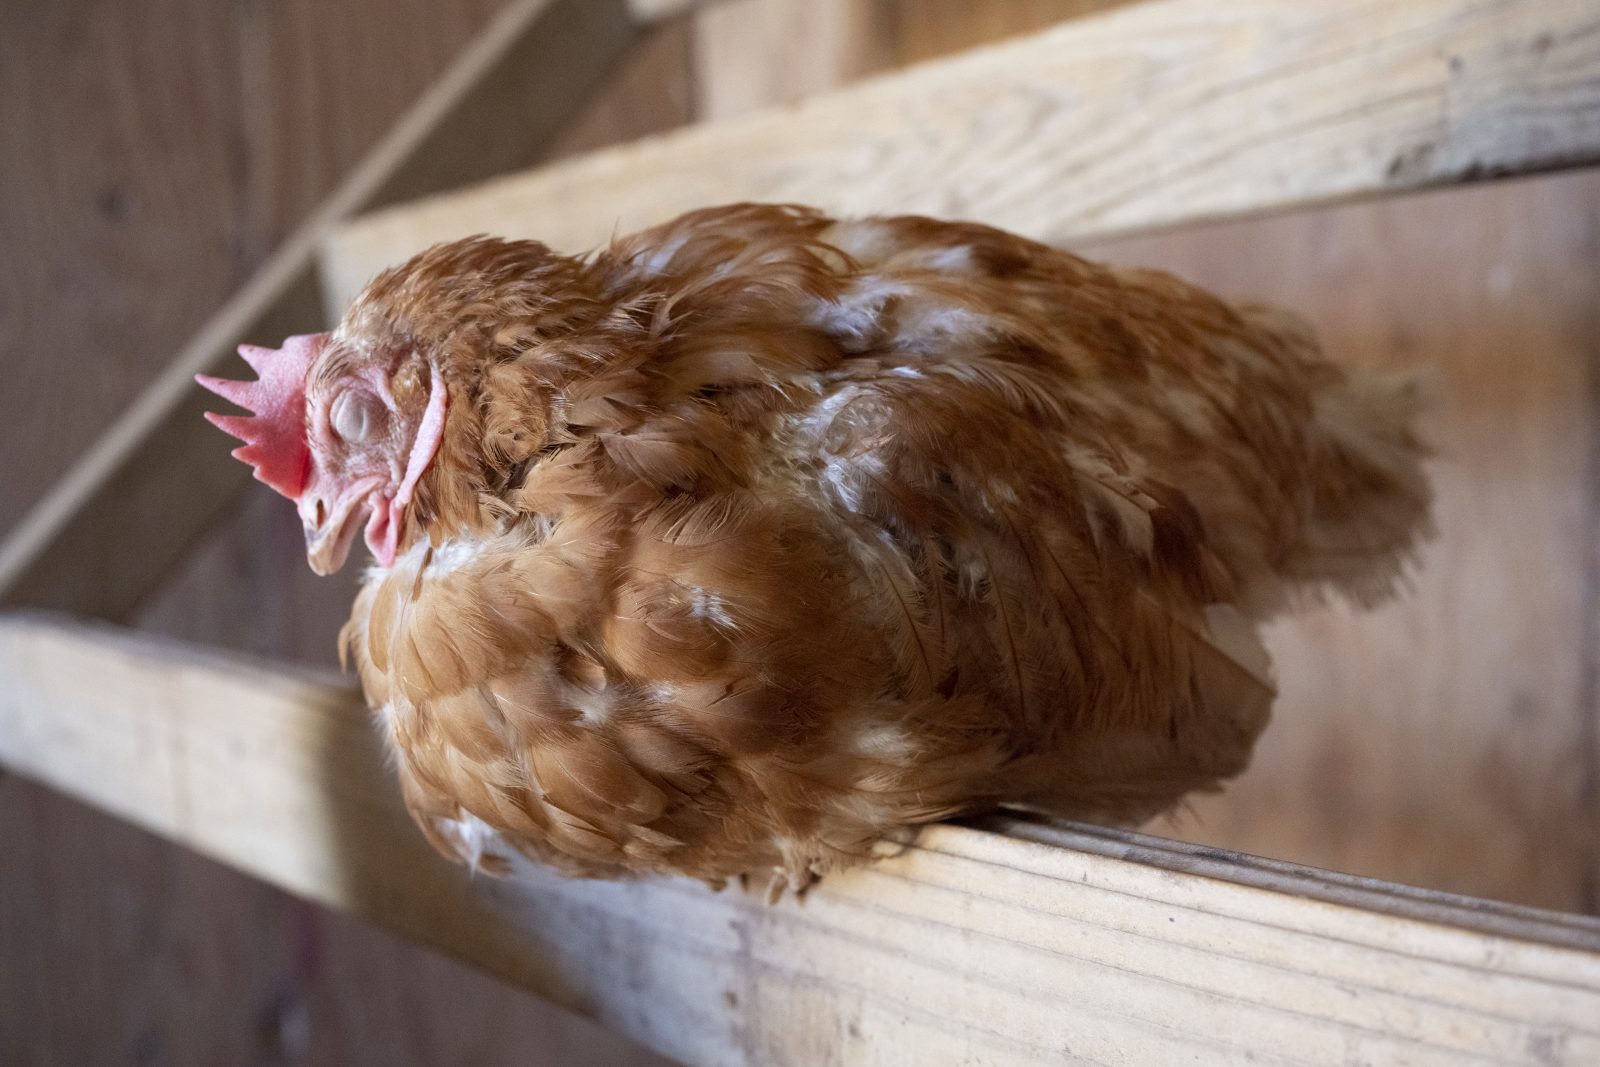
{"x": 759, "y": 538}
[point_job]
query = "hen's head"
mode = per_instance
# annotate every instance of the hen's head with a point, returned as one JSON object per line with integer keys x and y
{"x": 344, "y": 433}
{"x": 348, "y": 424}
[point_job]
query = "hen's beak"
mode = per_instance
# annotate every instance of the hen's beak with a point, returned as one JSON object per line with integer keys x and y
{"x": 332, "y": 519}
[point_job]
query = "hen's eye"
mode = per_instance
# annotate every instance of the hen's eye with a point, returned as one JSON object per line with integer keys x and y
{"x": 354, "y": 416}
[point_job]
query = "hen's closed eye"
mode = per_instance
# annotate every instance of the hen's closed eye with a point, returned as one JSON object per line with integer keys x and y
{"x": 759, "y": 537}
{"x": 355, "y": 416}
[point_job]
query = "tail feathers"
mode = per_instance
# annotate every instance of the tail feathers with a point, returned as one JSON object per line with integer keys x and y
{"x": 1371, "y": 502}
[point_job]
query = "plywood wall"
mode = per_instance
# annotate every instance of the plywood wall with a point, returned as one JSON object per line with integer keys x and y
{"x": 154, "y": 151}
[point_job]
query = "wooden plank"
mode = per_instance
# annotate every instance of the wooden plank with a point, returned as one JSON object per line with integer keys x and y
{"x": 1010, "y": 942}
{"x": 1147, "y": 115}
{"x": 753, "y": 54}
{"x": 91, "y": 546}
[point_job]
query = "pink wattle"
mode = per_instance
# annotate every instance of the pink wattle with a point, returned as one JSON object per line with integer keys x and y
{"x": 388, "y": 513}
{"x": 383, "y": 530}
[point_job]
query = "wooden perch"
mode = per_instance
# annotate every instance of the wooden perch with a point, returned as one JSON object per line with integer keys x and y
{"x": 1009, "y": 942}
{"x": 1152, "y": 114}
{"x": 95, "y": 545}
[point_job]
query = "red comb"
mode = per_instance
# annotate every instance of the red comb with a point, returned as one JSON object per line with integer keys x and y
{"x": 274, "y": 434}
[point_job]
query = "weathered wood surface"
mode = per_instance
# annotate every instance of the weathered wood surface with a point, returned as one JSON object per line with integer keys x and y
{"x": 1019, "y": 943}
{"x": 751, "y": 55}
{"x": 1153, "y": 114}
{"x": 90, "y": 546}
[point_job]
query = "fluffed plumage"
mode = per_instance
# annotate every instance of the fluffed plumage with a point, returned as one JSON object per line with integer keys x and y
{"x": 758, "y": 538}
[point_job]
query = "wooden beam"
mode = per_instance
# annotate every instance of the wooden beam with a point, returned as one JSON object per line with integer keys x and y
{"x": 1147, "y": 115}
{"x": 96, "y": 545}
{"x": 1006, "y": 942}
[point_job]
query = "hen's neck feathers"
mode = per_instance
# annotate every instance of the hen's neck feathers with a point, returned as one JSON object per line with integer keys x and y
{"x": 543, "y": 352}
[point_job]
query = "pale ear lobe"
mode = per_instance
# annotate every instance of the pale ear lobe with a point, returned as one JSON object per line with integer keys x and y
{"x": 430, "y": 432}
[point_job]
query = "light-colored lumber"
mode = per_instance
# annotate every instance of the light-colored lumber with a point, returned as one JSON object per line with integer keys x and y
{"x": 93, "y": 545}
{"x": 752, "y": 54}
{"x": 1150, "y": 114}
{"x": 1013, "y": 942}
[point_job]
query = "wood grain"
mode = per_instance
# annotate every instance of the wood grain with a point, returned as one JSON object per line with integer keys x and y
{"x": 1153, "y": 114}
{"x": 752, "y": 55}
{"x": 652, "y": 90}
{"x": 1030, "y": 945}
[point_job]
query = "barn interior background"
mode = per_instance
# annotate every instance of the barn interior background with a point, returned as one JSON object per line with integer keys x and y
{"x": 153, "y": 154}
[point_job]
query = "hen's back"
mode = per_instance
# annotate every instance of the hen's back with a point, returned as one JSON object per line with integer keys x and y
{"x": 1068, "y": 491}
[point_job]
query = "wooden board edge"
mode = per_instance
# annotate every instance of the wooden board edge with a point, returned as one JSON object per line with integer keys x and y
{"x": 1125, "y": 120}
